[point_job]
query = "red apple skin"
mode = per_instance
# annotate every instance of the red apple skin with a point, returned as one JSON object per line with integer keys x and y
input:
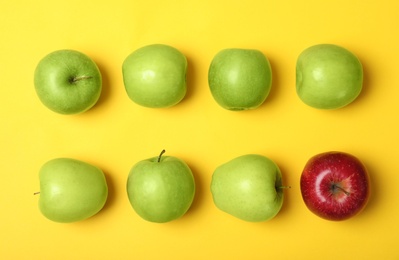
{"x": 335, "y": 185}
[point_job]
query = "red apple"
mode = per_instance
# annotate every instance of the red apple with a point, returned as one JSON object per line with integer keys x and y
{"x": 335, "y": 185}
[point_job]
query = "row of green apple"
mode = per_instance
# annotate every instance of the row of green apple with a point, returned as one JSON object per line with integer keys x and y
{"x": 334, "y": 186}
{"x": 327, "y": 77}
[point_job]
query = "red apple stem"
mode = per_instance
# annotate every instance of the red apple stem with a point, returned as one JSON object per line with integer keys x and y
{"x": 160, "y": 155}
{"x": 75, "y": 79}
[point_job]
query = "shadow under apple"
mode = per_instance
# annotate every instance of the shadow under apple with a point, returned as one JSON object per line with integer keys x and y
{"x": 200, "y": 189}
{"x": 275, "y": 87}
{"x": 106, "y": 88}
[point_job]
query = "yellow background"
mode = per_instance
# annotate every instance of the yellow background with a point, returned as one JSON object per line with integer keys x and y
{"x": 117, "y": 133}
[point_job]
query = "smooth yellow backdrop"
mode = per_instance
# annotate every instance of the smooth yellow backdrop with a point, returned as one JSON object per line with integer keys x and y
{"x": 117, "y": 133}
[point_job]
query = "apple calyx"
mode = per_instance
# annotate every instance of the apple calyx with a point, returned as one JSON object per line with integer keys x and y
{"x": 76, "y": 79}
{"x": 160, "y": 155}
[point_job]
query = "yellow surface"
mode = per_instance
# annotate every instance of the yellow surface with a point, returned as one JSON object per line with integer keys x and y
{"x": 117, "y": 133}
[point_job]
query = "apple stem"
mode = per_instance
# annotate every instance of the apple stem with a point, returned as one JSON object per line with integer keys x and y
{"x": 75, "y": 79}
{"x": 334, "y": 187}
{"x": 284, "y": 187}
{"x": 160, "y": 155}
{"x": 36, "y": 193}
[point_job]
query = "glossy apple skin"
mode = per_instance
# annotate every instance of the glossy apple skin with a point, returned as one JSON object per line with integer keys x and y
{"x": 328, "y": 76}
{"x": 240, "y": 79}
{"x": 335, "y": 185}
{"x": 71, "y": 190}
{"x": 68, "y": 82}
{"x": 248, "y": 187}
{"x": 161, "y": 191}
{"x": 155, "y": 76}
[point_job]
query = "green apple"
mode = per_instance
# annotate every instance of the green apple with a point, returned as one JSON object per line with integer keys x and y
{"x": 68, "y": 82}
{"x": 161, "y": 189}
{"x": 155, "y": 76}
{"x": 248, "y": 187}
{"x": 240, "y": 79}
{"x": 71, "y": 190}
{"x": 328, "y": 76}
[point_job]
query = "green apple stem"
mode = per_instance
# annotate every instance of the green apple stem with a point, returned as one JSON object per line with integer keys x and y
{"x": 75, "y": 79}
{"x": 36, "y": 193}
{"x": 337, "y": 187}
{"x": 160, "y": 155}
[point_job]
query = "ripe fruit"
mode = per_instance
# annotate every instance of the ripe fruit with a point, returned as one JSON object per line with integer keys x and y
{"x": 68, "y": 82}
{"x": 240, "y": 79}
{"x": 248, "y": 187}
{"x": 328, "y": 76}
{"x": 161, "y": 189}
{"x": 71, "y": 190}
{"x": 155, "y": 76}
{"x": 335, "y": 185}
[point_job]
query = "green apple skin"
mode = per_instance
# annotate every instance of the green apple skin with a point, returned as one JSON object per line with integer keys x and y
{"x": 155, "y": 76}
{"x": 248, "y": 187}
{"x": 240, "y": 79}
{"x": 71, "y": 190}
{"x": 328, "y": 76}
{"x": 68, "y": 82}
{"x": 161, "y": 191}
